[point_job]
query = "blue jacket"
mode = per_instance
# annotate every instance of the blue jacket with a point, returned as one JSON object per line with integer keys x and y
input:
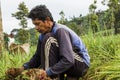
{"x": 76, "y": 42}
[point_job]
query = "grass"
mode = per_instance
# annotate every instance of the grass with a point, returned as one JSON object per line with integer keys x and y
{"x": 9, "y": 60}
{"x": 105, "y": 58}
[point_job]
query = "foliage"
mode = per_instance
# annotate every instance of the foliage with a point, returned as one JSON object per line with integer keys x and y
{"x": 6, "y": 40}
{"x": 8, "y": 60}
{"x": 114, "y": 8}
{"x": 23, "y": 36}
{"x": 1, "y": 31}
{"x": 104, "y": 51}
{"x": 62, "y": 19}
{"x": 21, "y": 14}
{"x": 74, "y": 27}
{"x": 33, "y": 36}
{"x": 95, "y": 21}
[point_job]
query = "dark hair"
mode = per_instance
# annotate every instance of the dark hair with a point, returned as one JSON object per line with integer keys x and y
{"x": 41, "y": 12}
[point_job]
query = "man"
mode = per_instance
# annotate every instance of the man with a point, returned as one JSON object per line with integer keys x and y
{"x": 60, "y": 51}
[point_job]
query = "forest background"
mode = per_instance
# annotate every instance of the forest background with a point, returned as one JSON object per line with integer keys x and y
{"x": 99, "y": 30}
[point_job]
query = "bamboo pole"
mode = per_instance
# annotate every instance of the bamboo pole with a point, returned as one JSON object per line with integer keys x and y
{"x": 1, "y": 31}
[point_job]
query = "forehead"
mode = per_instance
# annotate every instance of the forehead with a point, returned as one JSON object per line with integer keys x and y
{"x": 36, "y": 21}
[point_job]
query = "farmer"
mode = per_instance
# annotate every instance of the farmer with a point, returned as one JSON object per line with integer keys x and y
{"x": 60, "y": 50}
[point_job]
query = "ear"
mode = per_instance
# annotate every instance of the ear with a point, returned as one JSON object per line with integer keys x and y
{"x": 50, "y": 23}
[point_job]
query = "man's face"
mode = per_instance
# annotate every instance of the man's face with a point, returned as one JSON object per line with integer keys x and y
{"x": 42, "y": 26}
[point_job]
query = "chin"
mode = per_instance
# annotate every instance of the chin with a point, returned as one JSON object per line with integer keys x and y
{"x": 39, "y": 31}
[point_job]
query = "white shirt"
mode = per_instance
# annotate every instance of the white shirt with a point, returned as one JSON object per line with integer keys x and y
{"x": 11, "y": 41}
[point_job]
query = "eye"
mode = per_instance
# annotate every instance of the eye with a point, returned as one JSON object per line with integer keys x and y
{"x": 36, "y": 24}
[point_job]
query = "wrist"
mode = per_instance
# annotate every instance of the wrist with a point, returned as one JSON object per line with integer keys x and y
{"x": 49, "y": 73}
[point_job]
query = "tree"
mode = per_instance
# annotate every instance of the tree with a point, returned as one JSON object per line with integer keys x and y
{"x": 114, "y": 5}
{"x": 114, "y": 10}
{"x": 1, "y": 31}
{"x": 93, "y": 17}
{"x": 34, "y": 35}
{"x": 21, "y": 14}
{"x": 23, "y": 35}
{"x": 62, "y": 19}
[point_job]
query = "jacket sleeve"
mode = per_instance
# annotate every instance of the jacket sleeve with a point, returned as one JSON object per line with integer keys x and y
{"x": 34, "y": 62}
{"x": 65, "y": 52}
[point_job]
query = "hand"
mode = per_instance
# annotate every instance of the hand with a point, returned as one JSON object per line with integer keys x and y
{"x": 42, "y": 75}
{"x": 14, "y": 72}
